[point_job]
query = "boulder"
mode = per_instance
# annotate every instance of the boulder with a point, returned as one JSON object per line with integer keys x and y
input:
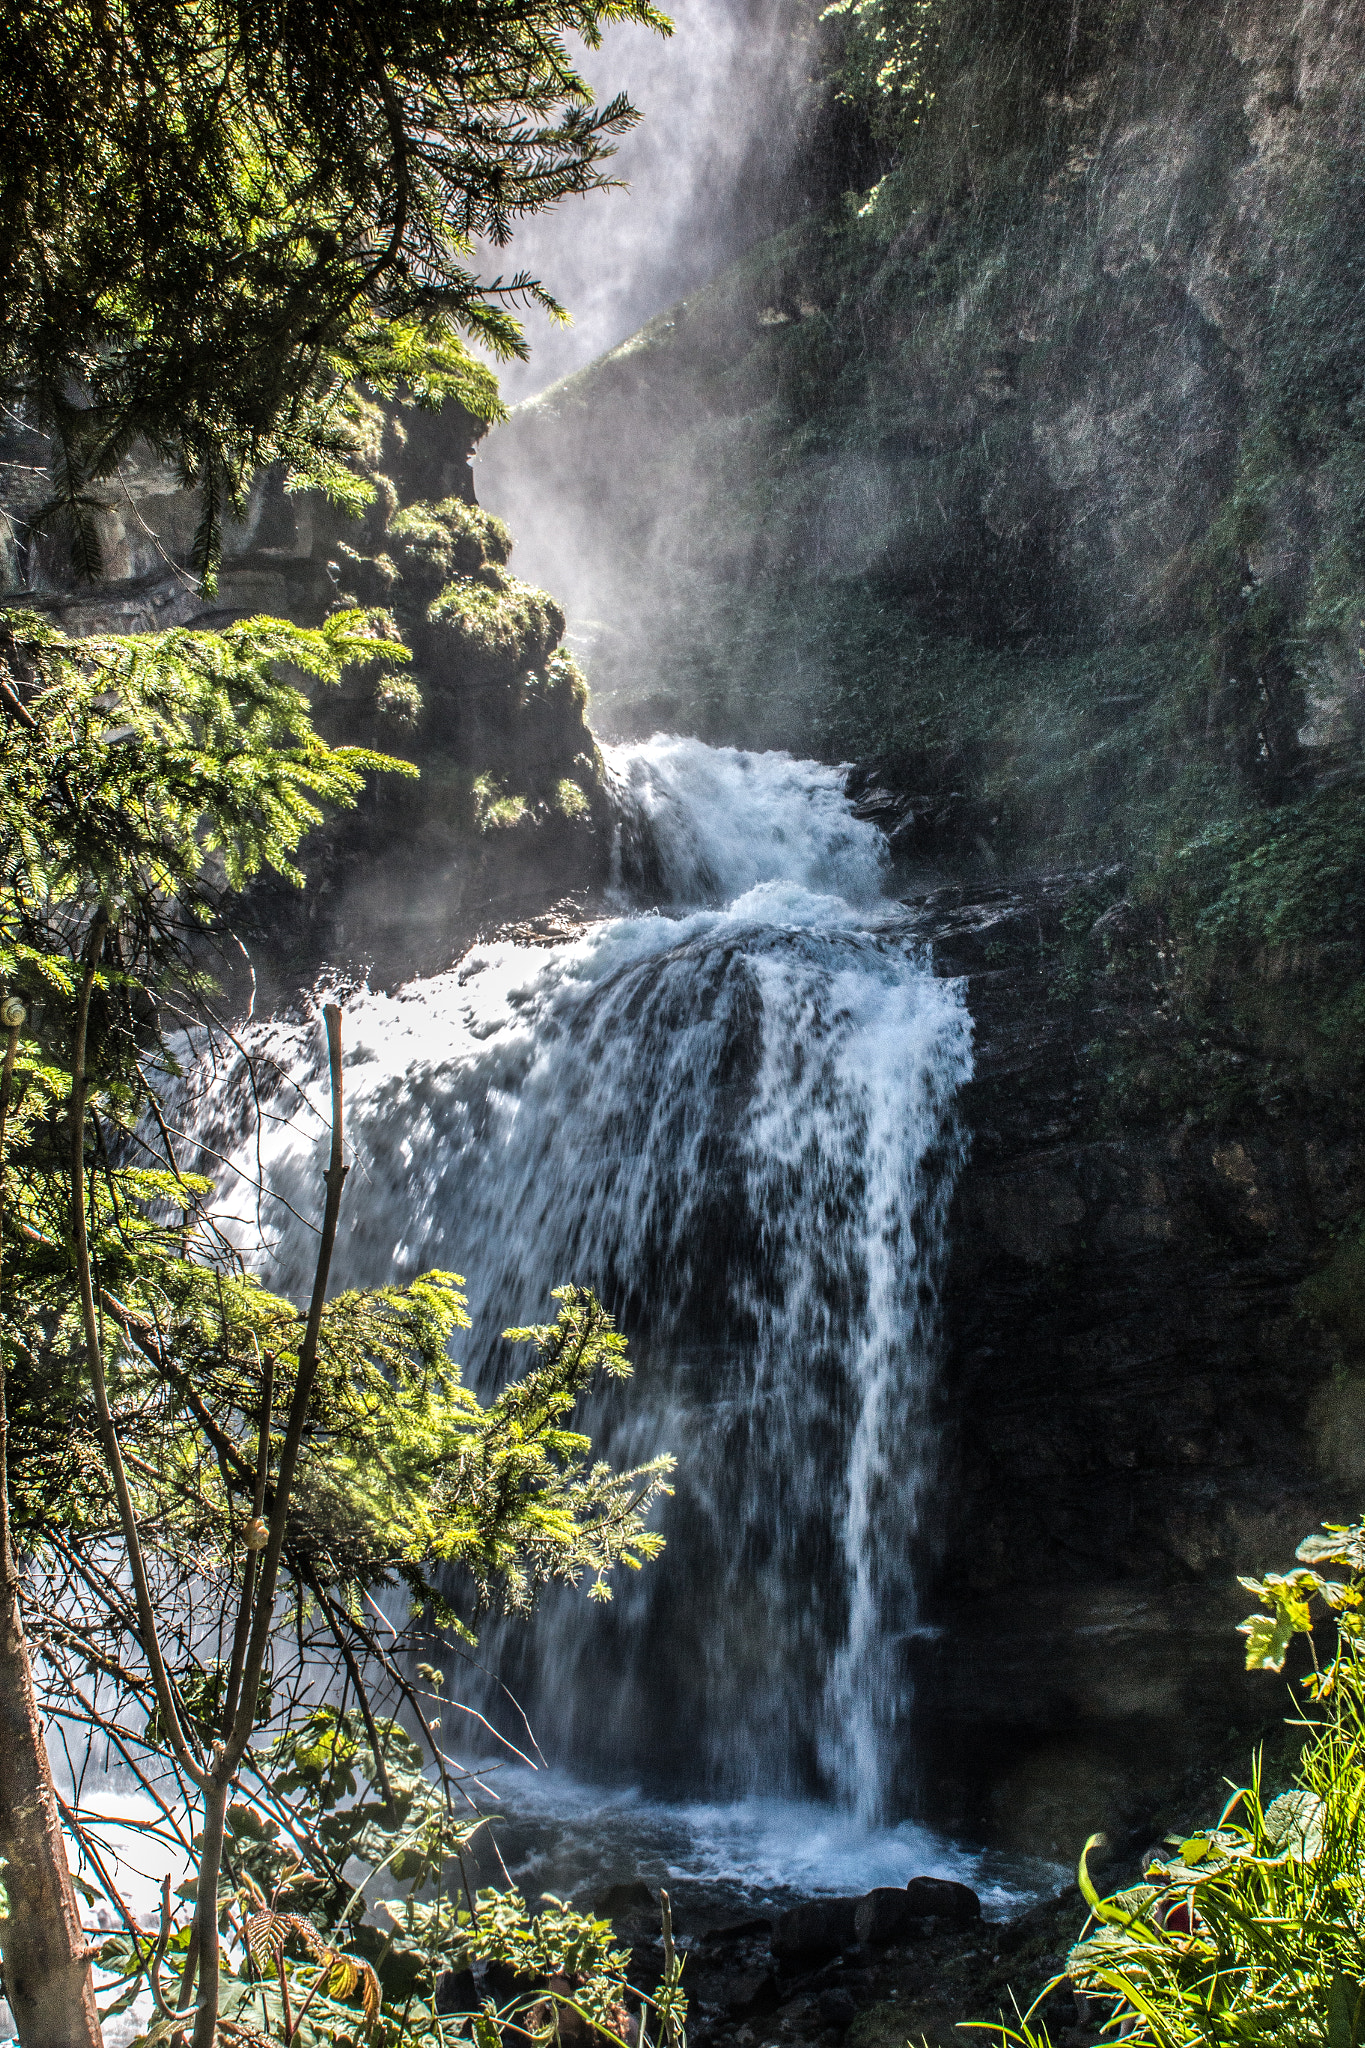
{"x": 815, "y": 1930}
{"x": 736, "y": 1930}
{"x": 456, "y": 1991}
{"x": 886, "y": 1916}
{"x": 626, "y": 1901}
{"x": 750, "y": 1993}
{"x": 836, "y": 2008}
{"x": 943, "y": 1898}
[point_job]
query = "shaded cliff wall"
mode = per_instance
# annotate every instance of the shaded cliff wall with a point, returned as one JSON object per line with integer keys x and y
{"x": 510, "y": 816}
{"x": 1151, "y": 1384}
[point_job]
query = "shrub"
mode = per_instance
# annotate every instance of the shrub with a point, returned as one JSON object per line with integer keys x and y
{"x": 1254, "y": 1931}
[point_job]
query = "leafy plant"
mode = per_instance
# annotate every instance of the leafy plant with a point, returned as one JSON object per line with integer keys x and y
{"x": 1254, "y": 1931}
{"x": 317, "y": 1959}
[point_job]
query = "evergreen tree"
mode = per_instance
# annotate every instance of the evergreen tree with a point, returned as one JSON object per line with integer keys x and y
{"x": 152, "y": 1395}
{"x": 215, "y": 218}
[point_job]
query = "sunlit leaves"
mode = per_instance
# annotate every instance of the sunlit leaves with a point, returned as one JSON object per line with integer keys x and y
{"x": 1251, "y": 1931}
{"x": 1297, "y": 1600}
{"x": 888, "y": 45}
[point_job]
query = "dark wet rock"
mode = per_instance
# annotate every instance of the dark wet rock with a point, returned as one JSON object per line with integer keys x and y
{"x": 942, "y": 1898}
{"x": 817, "y": 1929}
{"x": 631, "y": 1901}
{"x": 886, "y": 1916}
{"x": 1134, "y": 1406}
{"x": 881, "y": 805}
{"x": 750, "y": 1993}
{"x": 456, "y": 1991}
{"x": 727, "y": 1932}
{"x": 1122, "y": 926}
{"x": 837, "y": 2008}
{"x": 1034, "y": 1925}
{"x": 798, "y": 2016}
{"x": 502, "y": 1983}
{"x": 646, "y": 1963}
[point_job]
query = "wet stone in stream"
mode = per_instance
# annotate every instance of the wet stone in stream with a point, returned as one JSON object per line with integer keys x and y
{"x": 748, "y": 1989}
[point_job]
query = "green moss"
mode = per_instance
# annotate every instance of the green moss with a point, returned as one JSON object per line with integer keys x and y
{"x": 452, "y": 538}
{"x": 567, "y": 683}
{"x": 493, "y": 614}
{"x": 570, "y": 800}
{"x": 496, "y": 809}
{"x": 399, "y": 697}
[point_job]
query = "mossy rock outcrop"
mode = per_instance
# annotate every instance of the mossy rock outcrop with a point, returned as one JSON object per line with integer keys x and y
{"x": 509, "y": 817}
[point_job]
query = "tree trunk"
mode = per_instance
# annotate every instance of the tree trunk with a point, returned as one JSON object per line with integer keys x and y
{"x": 206, "y": 1909}
{"x": 47, "y": 1968}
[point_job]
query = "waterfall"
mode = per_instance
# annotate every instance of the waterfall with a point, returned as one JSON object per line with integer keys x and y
{"x": 728, "y": 1108}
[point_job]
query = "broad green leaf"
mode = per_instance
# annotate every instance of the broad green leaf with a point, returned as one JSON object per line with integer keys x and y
{"x": 1294, "y": 1825}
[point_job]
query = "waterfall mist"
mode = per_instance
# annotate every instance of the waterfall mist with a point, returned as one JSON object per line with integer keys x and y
{"x": 706, "y": 171}
{"x": 716, "y": 164}
{"x": 729, "y": 1109}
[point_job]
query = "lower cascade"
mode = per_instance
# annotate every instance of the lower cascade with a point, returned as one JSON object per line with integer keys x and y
{"x": 729, "y": 1109}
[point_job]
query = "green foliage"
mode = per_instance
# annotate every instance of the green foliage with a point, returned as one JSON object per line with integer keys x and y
{"x": 492, "y": 615}
{"x": 1294, "y": 876}
{"x": 165, "y": 765}
{"x": 1254, "y": 1931}
{"x": 884, "y": 64}
{"x": 570, "y": 800}
{"x": 319, "y": 1957}
{"x": 453, "y": 559}
{"x": 452, "y": 538}
{"x": 215, "y": 221}
{"x": 495, "y": 810}
{"x": 144, "y": 781}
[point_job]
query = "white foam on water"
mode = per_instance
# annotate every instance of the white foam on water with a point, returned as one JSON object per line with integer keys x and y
{"x": 574, "y": 1839}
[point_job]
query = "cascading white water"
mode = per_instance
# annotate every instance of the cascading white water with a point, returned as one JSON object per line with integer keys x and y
{"x": 732, "y": 1114}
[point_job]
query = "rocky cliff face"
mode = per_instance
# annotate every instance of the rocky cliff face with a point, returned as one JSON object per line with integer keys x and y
{"x": 1141, "y": 1399}
{"x": 510, "y": 815}
{"x": 1059, "y": 417}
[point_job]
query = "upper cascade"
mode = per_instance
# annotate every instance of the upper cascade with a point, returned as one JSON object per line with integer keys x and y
{"x": 722, "y": 822}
